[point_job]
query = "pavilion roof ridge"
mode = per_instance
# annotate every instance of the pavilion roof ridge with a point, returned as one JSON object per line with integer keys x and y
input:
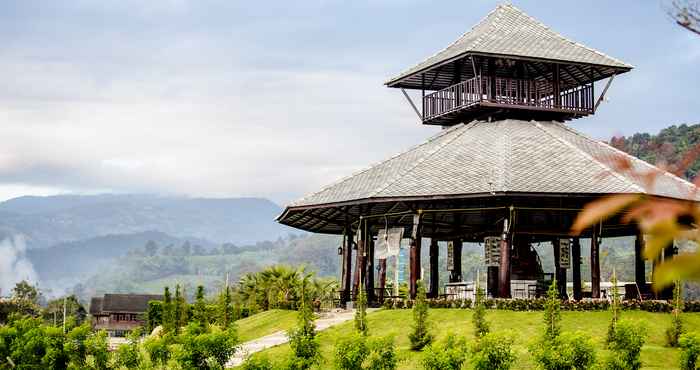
{"x": 606, "y": 167}
{"x": 462, "y": 127}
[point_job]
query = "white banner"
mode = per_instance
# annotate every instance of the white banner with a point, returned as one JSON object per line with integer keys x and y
{"x": 388, "y": 242}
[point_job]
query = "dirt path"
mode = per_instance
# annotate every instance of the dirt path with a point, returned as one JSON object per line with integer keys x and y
{"x": 275, "y": 339}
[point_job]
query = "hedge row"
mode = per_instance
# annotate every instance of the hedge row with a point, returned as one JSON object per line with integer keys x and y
{"x": 537, "y": 304}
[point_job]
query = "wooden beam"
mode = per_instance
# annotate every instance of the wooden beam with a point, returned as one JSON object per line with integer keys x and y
{"x": 347, "y": 266}
{"x": 434, "y": 271}
{"x": 595, "y": 262}
{"x": 602, "y": 95}
{"x": 456, "y": 272}
{"x": 576, "y": 265}
{"x": 639, "y": 268}
{"x": 504, "y": 268}
{"x": 415, "y": 109}
{"x": 414, "y": 257}
{"x": 382, "y": 279}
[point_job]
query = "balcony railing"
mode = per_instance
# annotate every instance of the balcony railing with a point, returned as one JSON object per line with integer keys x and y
{"x": 509, "y": 93}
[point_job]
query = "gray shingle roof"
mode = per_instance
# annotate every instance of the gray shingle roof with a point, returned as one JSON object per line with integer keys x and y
{"x": 508, "y": 156}
{"x": 135, "y": 303}
{"x": 509, "y": 31}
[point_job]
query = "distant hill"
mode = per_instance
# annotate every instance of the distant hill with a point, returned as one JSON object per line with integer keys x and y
{"x": 667, "y": 147}
{"x": 88, "y": 256}
{"x": 47, "y": 221}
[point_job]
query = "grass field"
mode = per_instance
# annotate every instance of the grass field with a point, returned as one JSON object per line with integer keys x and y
{"x": 526, "y": 326}
{"x": 265, "y": 323}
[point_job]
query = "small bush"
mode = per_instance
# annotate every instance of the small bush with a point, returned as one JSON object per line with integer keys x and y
{"x": 420, "y": 337}
{"x": 448, "y": 356}
{"x": 257, "y": 363}
{"x": 382, "y": 354}
{"x": 481, "y": 326}
{"x": 690, "y": 350}
{"x": 494, "y": 352}
{"x": 674, "y": 332}
{"x": 626, "y": 347}
{"x": 567, "y": 351}
{"x": 350, "y": 352}
{"x": 356, "y": 352}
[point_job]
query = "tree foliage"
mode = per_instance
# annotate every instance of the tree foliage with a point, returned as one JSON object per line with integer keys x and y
{"x": 552, "y": 314}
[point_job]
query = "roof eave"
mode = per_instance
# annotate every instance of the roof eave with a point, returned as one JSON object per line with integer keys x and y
{"x": 396, "y": 81}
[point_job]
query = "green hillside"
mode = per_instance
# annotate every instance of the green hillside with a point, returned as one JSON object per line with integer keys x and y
{"x": 525, "y": 326}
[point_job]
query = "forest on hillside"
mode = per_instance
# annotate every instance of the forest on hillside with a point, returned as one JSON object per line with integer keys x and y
{"x": 666, "y": 149}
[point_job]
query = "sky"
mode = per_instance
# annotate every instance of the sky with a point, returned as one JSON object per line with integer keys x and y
{"x": 272, "y": 99}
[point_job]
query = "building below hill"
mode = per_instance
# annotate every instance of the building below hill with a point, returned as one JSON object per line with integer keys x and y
{"x": 118, "y": 314}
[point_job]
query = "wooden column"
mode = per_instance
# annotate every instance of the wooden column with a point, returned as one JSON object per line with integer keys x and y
{"x": 556, "y": 85}
{"x": 434, "y": 273}
{"x": 576, "y": 265}
{"x": 456, "y": 273}
{"x": 595, "y": 263}
{"x": 382, "y": 279}
{"x": 669, "y": 252}
{"x": 504, "y": 268}
{"x": 414, "y": 259}
{"x": 557, "y": 268}
{"x": 492, "y": 281}
{"x": 369, "y": 271}
{"x": 347, "y": 267}
{"x": 639, "y": 268}
{"x": 359, "y": 265}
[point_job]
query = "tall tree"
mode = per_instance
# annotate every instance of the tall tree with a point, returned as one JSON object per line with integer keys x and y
{"x": 200, "y": 309}
{"x": 168, "y": 311}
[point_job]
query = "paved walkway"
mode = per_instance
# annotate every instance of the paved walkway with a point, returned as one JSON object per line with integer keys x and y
{"x": 275, "y": 339}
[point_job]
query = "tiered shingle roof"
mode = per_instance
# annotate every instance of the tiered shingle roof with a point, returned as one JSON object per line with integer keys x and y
{"x": 509, "y": 156}
{"x": 508, "y": 31}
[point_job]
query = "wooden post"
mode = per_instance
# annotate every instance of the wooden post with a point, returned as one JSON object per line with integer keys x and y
{"x": 576, "y": 265}
{"x": 504, "y": 268}
{"x": 556, "y": 86}
{"x": 595, "y": 263}
{"x": 382, "y": 279}
{"x": 414, "y": 258}
{"x": 434, "y": 273}
{"x": 639, "y": 268}
{"x": 492, "y": 281}
{"x": 492, "y": 81}
{"x": 347, "y": 267}
{"x": 358, "y": 267}
{"x": 669, "y": 252}
{"x": 456, "y": 273}
{"x": 369, "y": 271}
{"x": 557, "y": 264}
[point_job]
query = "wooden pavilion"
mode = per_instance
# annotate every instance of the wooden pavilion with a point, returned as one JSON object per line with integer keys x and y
{"x": 505, "y": 169}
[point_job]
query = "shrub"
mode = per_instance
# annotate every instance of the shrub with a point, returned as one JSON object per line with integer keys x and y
{"x": 420, "y": 337}
{"x": 356, "y": 352}
{"x": 257, "y": 363}
{"x": 361, "y": 313}
{"x": 626, "y": 347}
{"x": 567, "y": 351}
{"x": 494, "y": 352}
{"x": 674, "y": 332}
{"x": 448, "y": 356}
{"x": 350, "y": 352}
{"x": 157, "y": 348}
{"x": 302, "y": 339}
{"x": 552, "y": 316}
{"x": 614, "y": 310}
{"x": 128, "y": 354}
{"x": 481, "y": 326}
{"x": 382, "y": 354}
{"x": 690, "y": 350}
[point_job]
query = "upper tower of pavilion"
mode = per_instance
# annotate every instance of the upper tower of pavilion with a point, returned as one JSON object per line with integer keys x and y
{"x": 509, "y": 66}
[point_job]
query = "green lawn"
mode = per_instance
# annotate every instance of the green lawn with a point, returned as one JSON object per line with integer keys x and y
{"x": 525, "y": 326}
{"x": 265, "y": 323}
